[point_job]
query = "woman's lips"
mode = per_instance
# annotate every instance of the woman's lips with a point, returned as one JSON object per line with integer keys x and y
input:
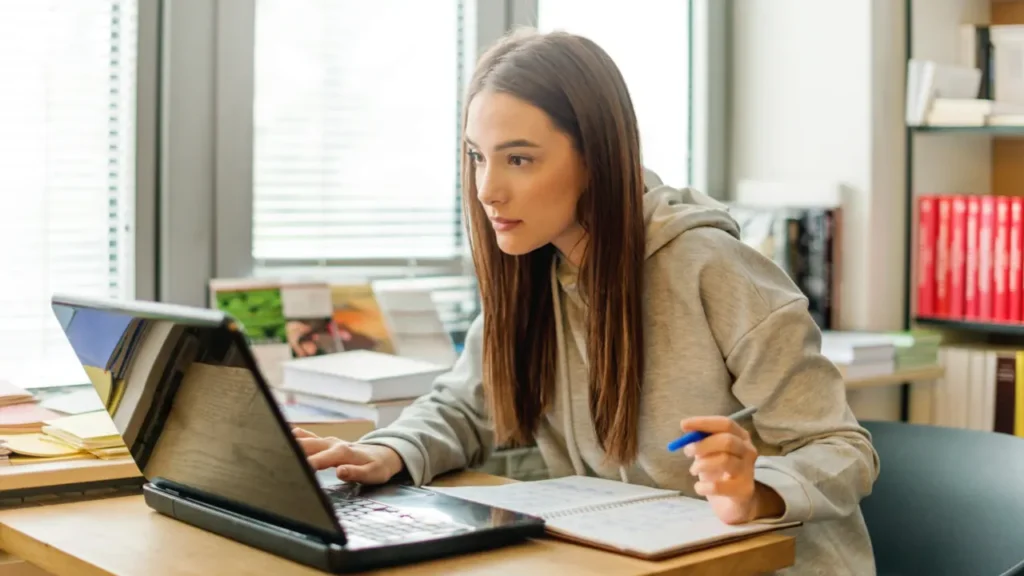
{"x": 504, "y": 224}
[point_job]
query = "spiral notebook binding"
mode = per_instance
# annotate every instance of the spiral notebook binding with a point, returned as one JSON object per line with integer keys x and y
{"x": 603, "y": 507}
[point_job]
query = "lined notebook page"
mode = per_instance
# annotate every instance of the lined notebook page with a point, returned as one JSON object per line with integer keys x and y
{"x": 651, "y": 528}
{"x": 548, "y": 497}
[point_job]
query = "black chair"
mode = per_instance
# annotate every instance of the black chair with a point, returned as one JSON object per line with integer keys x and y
{"x": 947, "y": 501}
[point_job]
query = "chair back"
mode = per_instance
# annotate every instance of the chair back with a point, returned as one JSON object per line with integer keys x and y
{"x": 947, "y": 501}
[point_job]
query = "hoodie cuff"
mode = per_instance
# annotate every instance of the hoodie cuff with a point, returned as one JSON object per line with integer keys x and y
{"x": 795, "y": 498}
{"x": 412, "y": 458}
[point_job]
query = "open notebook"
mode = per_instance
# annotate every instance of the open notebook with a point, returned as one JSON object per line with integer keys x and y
{"x": 645, "y": 522}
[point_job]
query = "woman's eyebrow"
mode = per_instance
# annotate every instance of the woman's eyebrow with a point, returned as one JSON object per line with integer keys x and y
{"x": 517, "y": 143}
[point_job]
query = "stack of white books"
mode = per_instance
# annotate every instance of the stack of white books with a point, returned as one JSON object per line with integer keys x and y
{"x": 859, "y": 355}
{"x": 359, "y": 384}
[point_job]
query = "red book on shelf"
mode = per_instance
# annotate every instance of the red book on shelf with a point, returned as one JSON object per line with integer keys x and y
{"x": 971, "y": 264}
{"x": 986, "y": 247}
{"x": 1016, "y": 280}
{"x": 1001, "y": 263}
{"x": 957, "y": 257}
{"x": 927, "y": 216}
{"x": 942, "y": 246}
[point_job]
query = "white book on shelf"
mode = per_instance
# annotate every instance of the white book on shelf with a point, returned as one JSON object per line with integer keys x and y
{"x": 361, "y": 376}
{"x": 928, "y": 80}
{"x": 980, "y": 413}
{"x": 1008, "y": 63}
{"x": 857, "y": 347}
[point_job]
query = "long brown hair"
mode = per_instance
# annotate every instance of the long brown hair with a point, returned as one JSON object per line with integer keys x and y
{"x": 579, "y": 87}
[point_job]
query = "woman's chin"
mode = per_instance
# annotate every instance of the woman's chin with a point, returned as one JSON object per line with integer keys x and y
{"x": 515, "y": 246}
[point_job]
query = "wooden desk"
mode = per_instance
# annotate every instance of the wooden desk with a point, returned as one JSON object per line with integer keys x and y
{"x": 122, "y": 536}
{"x": 54, "y": 474}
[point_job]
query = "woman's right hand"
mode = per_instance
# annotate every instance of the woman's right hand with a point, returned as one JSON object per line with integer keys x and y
{"x": 363, "y": 463}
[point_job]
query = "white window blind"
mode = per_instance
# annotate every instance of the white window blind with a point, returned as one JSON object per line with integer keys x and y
{"x": 649, "y": 41}
{"x": 67, "y": 115}
{"x": 356, "y": 110}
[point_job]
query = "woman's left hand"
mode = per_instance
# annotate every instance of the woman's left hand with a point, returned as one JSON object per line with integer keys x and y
{"x": 724, "y": 467}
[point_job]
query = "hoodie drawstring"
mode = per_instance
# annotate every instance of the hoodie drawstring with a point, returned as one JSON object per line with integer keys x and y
{"x": 563, "y": 377}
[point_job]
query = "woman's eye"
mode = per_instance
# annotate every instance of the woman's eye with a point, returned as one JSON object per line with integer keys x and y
{"x": 474, "y": 157}
{"x": 518, "y": 160}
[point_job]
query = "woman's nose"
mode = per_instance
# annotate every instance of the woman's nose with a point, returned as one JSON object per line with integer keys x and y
{"x": 488, "y": 188}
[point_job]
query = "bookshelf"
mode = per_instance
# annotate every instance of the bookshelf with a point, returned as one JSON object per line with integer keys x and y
{"x": 953, "y": 160}
{"x": 1007, "y": 131}
{"x": 999, "y": 170}
{"x": 925, "y": 374}
{"x": 966, "y": 326}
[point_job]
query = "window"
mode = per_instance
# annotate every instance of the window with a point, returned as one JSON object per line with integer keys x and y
{"x": 356, "y": 109}
{"x": 66, "y": 173}
{"x": 649, "y": 42}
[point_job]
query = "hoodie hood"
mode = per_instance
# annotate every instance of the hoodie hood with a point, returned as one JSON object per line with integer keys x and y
{"x": 668, "y": 212}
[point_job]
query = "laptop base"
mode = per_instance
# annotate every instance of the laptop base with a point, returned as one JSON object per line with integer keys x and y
{"x": 316, "y": 553}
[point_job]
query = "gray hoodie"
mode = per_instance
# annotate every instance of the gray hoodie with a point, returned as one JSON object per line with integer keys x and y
{"x": 724, "y": 328}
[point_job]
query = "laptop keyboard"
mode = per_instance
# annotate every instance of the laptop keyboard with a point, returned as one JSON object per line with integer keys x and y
{"x": 368, "y": 521}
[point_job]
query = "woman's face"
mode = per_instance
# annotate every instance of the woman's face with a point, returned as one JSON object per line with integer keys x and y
{"x": 529, "y": 176}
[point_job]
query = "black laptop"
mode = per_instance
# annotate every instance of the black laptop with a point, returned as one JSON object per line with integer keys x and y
{"x": 184, "y": 391}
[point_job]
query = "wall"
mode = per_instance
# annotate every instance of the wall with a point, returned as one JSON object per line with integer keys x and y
{"x": 817, "y": 95}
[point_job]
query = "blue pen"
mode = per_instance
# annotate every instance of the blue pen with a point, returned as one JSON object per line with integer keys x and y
{"x": 697, "y": 436}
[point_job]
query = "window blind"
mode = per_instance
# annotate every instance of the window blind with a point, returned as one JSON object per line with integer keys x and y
{"x": 356, "y": 109}
{"x": 649, "y": 42}
{"x": 66, "y": 172}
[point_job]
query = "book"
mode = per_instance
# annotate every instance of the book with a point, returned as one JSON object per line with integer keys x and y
{"x": 361, "y": 376}
{"x": 325, "y": 423}
{"x": 649, "y": 523}
{"x": 802, "y": 239}
{"x": 980, "y": 389}
{"x": 379, "y": 413}
{"x": 414, "y": 323}
{"x": 859, "y": 355}
{"x": 968, "y": 258}
{"x": 927, "y": 232}
{"x": 942, "y": 250}
{"x": 359, "y": 319}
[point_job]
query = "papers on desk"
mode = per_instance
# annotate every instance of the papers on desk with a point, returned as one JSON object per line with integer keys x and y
{"x": 636, "y": 520}
{"x": 24, "y": 418}
{"x": 90, "y": 435}
{"x": 11, "y": 394}
{"x": 55, "y": 424}
{"x": 77, "y": 402}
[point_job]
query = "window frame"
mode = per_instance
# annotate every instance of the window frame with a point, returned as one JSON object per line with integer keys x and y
{"x": 203, "y": 197}
{"x": 147, "y": 130}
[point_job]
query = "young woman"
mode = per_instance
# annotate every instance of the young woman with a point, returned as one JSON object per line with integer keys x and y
{"x": 619, "y": 313}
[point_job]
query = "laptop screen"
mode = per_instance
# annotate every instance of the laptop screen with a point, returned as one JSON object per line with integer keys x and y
{"x": 180, "y": 390}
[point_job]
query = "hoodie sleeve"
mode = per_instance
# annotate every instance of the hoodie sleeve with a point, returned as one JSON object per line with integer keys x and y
{"x": 448, "y": 428}
{"x": 825, "y": 463}
{"x": 815, "y": 454}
